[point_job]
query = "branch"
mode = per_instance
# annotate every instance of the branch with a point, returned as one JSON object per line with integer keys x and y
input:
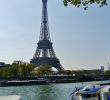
{"x": 85, "y": 3}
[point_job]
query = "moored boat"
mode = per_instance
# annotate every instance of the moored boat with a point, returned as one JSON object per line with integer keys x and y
{"x": 10, "y": 97}
{"x": 93, "y": 92}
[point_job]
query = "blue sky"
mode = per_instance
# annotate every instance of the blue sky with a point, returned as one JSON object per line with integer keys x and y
{"x": 81, "y": 39}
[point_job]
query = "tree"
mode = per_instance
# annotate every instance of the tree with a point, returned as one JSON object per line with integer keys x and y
{"x": 43, "y": 70}
{"x": 107, "y": 72}
{"x": 30, "y": 68}
{"x": 85, "y": 3}
{"x": 14, "y": 70}
{"x": 25, "y": 70}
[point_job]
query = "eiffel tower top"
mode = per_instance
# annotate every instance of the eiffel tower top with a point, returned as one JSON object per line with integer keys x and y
{"x": 44, "y": 31}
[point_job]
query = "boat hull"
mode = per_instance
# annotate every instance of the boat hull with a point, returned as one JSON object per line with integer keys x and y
{"x": 10, "y": 97}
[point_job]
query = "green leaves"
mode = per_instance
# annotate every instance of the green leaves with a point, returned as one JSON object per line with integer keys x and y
{"x": 85, "y": 3}
{"x": 43, "y": 70}
{"x": 16, "y": 70}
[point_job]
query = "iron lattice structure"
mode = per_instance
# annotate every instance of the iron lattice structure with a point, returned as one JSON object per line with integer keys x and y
{"x": 45, "y": 54}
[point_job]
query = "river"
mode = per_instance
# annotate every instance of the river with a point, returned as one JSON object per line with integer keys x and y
{"x": 43, "y": 92}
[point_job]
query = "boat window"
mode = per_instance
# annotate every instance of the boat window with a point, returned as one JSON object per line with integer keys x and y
{"x": 109, "y": 89}
{"x": 94, "y": 95}
{"x": 108, "y": 95}
{"x": 87, "y": 89}
{"x": 86, "y": 95}
{"x": 105, "y": 96}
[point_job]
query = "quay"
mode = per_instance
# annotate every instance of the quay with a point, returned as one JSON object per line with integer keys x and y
{"x": 32, "y": 82}
{"x": 22, "y": 83}
{"x": 50, "y": 79}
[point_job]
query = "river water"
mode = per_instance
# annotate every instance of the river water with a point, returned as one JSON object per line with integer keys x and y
{"x": 44, "y": 92}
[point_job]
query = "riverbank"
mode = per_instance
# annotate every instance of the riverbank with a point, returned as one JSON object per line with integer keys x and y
{"x": 41, "y": 81}
{"x": 33, "y": 82}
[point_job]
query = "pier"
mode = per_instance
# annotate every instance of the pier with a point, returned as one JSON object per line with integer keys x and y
{"x": 51, "y": 79}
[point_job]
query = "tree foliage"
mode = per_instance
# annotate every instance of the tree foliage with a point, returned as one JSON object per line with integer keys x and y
{"x": 85, "y": 3}
{"x": 43, "y": 70}
{"x": 16, "y": 71}
{"x": 107, "y": 72}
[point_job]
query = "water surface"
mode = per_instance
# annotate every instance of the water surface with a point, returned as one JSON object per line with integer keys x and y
{"x": 43, "y": 92}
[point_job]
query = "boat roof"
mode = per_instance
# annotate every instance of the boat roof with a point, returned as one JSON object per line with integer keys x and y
{"x": 93, "y": 90}
{"x": 10, "y": 97}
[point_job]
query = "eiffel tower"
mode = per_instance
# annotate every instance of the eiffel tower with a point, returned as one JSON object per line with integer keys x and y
{"x": 45, "y": 54}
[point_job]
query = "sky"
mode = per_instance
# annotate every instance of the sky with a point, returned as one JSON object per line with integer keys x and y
{"x": 81, "y": 39}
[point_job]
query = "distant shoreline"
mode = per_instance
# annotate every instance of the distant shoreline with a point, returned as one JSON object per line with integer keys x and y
{"x": 6, "y": 83}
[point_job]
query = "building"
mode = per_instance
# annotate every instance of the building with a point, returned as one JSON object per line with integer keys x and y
{"x": 2, "y": 65}
{"x": 102, "y": 69}
{"x": 18, "y": 62}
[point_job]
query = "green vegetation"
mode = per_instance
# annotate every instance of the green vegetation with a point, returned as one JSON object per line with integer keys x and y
{"x": 79, "y": 72}
{"x": 23, "y": 70}
{"x": 43, "y": 70}
{"x": 16, "y": 71}
{"x": 107, "y": 72}
{"x": 86, "y": 72}
{"x": 85, "y": 3}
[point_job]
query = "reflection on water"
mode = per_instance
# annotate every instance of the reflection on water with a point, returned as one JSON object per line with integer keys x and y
{"x": 42, "y": 92}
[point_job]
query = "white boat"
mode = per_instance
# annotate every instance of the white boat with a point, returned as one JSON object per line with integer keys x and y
{"x": 93, "y": 92}
{"x": 10, "y": 97}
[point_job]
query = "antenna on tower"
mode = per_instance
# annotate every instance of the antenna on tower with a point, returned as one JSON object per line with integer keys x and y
{"x": 108, "y": 66}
